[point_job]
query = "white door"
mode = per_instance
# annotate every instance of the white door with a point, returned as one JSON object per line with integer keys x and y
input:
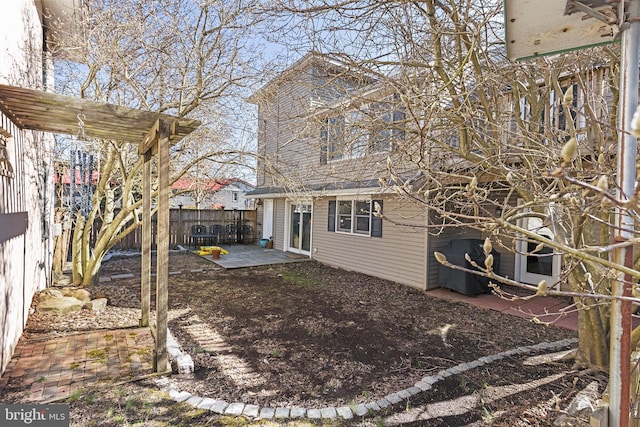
{"x": 534, "y": 266}
{"x": 267, "y": 219}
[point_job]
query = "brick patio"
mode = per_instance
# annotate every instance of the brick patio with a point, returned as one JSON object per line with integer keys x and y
{"x": 52, "y": 369}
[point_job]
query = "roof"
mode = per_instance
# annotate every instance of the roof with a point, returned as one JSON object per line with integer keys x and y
{"x": 206, "y": 184}
{"x": 310, "y": 59}
{"x": 49, "y": 112}
{"x": 66, "y": 177}
{"x": 368, "y": 187}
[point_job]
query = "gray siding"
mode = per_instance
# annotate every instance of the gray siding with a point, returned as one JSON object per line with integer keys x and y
{"x": 399, "y": 255}
{"x": 279, "y": 206}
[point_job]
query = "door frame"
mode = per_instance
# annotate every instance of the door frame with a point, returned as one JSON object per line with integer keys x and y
{"x": 267, "y": 218}
{"x": 287, "y": 233}
{"x": 521, "y": 274}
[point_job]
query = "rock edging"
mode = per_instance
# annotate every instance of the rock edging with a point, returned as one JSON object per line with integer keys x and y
{"x": 345, "y": 412}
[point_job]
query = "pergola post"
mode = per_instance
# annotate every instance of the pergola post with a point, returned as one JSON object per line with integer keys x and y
{"x": 162, "y": 249}
{"x": 156, "y": 142}
{"x": 145, "y": 280}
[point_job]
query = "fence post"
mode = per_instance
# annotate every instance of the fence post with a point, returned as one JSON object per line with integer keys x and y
{"x": 180, "y": 238}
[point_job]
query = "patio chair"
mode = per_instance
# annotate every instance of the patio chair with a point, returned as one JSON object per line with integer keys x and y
{"x": 232, "y": 233}
{"x": 247, "y": 234}
{"x": 198, "y": 233}
{"x": 217, "y": 233}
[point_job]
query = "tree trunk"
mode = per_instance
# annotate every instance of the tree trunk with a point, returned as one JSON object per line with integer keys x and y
{"x": 593, "y": 332}
{"x": 76, "y": 249}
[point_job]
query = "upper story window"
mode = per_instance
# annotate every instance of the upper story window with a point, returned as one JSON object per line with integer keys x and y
{"x": 370, "y": 129}
{"x": 552, "y": 116}
{"x": 234, "y": 196}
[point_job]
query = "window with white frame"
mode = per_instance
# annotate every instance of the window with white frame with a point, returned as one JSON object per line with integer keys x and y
{"x": 355, "y": 216}
{"x": 370, "y": 129}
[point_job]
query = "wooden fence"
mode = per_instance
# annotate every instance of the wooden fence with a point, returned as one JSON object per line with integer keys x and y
{"x": 239, "y": 227}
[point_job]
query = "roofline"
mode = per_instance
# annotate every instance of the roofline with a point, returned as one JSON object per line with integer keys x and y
{"x": 308, "y": 59}
{"x": 323, "y": 190}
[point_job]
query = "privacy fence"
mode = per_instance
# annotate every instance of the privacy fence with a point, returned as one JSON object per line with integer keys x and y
{"x": 236, "y": 227}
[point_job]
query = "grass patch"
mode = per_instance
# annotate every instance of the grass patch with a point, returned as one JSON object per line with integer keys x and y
{"x": 298, "y": 279}
{"x": 74, "y": 396}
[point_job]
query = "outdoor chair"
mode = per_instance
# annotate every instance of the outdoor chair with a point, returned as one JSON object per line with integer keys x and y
{"x": 232, "y": 233}
{"x": 247, "y": 234}
{"x": 199, "y": 234}
{"x": 217, "y": 232}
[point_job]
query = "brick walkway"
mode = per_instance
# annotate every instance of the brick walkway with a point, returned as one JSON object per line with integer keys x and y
{"x": 52, "y": 369}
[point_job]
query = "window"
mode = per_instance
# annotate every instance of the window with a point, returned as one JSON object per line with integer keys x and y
{"x": 331, "y": 138}
{"x": 345, "y": 215}
{"x": 367, "y": 130}
{"x": 362, "y": 217}
{"x": 6, "y": 168}
{"x": 553, "y": 116}
{"x": 234, "y": 196}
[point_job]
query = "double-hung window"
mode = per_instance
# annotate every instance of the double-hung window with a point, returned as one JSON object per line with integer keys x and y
{"x": 369, "y": 129}
{"x": 363, "y": 217}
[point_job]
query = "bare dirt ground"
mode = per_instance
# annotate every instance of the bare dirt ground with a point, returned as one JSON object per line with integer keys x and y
{"x": 309, "y": 335}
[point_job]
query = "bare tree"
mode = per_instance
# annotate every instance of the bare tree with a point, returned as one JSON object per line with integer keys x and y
{"x": 523, "y": 152}
{"x": 179, "y": 57}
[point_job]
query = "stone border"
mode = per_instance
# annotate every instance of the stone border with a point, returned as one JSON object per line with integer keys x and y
{"x": 345, "y": 412}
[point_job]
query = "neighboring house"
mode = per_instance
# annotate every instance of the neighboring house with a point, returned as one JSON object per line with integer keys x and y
{"x": 324, "y": 202}
{"x": 26, "y": 167}
{"x": 224, "y": 194}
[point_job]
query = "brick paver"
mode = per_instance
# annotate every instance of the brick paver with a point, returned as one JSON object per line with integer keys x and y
{"x": 53, "y": 369}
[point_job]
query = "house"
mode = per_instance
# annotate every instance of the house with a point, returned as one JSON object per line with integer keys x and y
{"x": 224, "y": 194}
{"x": 327, "y": 201}
{"x": 26, "y": 166}
{"x": 318, "y": 178}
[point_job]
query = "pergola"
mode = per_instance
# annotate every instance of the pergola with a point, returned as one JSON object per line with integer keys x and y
{"x": 154, "y": 133}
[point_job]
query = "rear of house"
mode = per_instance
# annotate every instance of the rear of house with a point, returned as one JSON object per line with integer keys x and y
{"x": 318, "y": 200}
{"x": 324, "y": 187}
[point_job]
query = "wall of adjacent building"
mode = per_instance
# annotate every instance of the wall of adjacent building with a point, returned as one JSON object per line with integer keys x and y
{"x": 25, "y": 259}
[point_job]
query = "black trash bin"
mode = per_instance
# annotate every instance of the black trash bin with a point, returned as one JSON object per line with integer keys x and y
{"x": 461, "y": 281}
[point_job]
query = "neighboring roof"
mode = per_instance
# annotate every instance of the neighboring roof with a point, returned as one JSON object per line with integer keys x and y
{"x": 49, "y": 112}
{"x": 95, "y": 176}
{"x": 209, "y": 185}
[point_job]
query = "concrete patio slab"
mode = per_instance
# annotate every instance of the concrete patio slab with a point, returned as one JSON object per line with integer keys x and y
{"x": 243, "y": 256}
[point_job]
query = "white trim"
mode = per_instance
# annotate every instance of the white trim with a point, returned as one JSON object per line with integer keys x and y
{"x": 520, "y": 272}
{"x": 287, "y": 229}
{"x": 267, "y": 219}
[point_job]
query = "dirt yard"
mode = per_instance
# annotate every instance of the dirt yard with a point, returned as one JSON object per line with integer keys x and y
{"x": 308, "y": 335}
